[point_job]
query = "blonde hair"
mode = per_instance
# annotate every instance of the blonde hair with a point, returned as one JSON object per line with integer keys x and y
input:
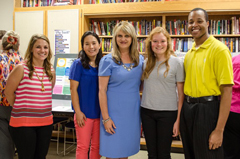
{"x": 127, "y": 28}
{"x": 10, "y": 40}
{"x": 29, "y": 56}
{"x": 151, "y": 62}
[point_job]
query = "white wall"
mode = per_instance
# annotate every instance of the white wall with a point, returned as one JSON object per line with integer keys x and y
{"x": 6, "y": 14}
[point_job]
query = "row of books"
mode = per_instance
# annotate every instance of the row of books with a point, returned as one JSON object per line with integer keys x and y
{"x": 232, "y": 43}
{"x": 177, "y": 27}
{"x": 144, "y": 0}
{"x": 179, "y": 45}
{"x": 141, "y": 44}
{"x": 40, "y": 3}
{"x": 182, "y": 44}
{"x": 224, "y": 26}
{"x": 119, "y": 1}
{"x": 107, "y": 44}
{"x": 30, "y": 3}
{"x": 142, "y": 27}
{"x": 35, "y": 3}
{"x": 216, "y": 27}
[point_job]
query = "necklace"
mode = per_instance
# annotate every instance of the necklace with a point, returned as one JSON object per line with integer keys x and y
{"x": 43, "y": 89}
{"x": 92, "y": 64}
{"x": 127, "y": 68}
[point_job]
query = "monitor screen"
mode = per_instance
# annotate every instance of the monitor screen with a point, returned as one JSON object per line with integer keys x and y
{"x": 62, "y": 66}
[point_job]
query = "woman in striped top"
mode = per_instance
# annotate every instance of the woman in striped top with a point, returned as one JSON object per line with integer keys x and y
{"x": 29, "y": 90}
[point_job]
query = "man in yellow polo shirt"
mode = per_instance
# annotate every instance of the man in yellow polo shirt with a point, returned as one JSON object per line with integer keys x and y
{"x": 207, "y": 89}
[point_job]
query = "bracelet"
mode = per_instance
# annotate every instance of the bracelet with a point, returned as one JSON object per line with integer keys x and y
{"x": 104, "y": 121}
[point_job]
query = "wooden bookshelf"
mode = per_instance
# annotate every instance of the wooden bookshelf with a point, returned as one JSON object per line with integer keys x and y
{"x": 217, "y": 6}
{"x": 163, "y": 11}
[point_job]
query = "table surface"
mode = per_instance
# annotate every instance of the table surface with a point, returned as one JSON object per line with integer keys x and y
{"x": 61, "y": 106}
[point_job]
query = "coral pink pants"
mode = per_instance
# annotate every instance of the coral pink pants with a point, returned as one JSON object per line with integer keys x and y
{"x": 88, "y": 136}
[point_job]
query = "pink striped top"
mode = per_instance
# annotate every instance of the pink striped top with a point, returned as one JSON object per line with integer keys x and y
{"x": 32, "y": 107}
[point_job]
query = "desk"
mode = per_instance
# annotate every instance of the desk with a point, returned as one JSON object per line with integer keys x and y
{"x": 62, "y": 108}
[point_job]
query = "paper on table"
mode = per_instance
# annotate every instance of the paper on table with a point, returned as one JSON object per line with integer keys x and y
{"x": 62, "y": 108}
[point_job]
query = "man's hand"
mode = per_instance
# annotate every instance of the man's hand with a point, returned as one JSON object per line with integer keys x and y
{"x": 215, "y": 139}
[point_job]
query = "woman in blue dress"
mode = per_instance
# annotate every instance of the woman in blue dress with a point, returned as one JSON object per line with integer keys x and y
{"x": 119, "y": 81}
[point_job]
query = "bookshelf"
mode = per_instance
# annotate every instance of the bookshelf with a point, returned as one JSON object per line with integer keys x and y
{"x": 167, "y": 18}
{"x": 44, "y": 3}
{"x": 136, "y": 11}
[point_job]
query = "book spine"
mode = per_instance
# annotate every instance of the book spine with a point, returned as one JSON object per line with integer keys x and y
{"x": 175, "y": 26}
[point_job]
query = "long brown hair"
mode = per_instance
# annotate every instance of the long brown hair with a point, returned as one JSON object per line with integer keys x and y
{"x": 29, "y": 56}
{"x": 151, "y": 61}
{"x": 127, "y": 28}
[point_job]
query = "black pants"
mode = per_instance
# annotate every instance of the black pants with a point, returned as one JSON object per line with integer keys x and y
{"x": 231, "y": 138}
{"x": 197, "y": 122}
{"x": 32, "y": 142}
{"x": 158, "y": 129}
{"x": 6, "y": 143}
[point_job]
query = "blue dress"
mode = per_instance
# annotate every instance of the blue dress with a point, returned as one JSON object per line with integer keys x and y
{"x": 123, "y": 107}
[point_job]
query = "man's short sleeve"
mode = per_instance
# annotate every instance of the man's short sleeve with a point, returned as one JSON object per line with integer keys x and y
{"x": 223, "y": 67}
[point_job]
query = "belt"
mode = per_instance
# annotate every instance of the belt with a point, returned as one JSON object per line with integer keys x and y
{"x": 201, "y": 99}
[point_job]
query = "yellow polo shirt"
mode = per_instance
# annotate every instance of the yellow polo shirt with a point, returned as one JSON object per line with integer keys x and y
{"x": 207, "y": 68}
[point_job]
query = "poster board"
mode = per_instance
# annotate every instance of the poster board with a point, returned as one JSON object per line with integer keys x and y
{"x": 62, "y": 66}
{"x": 64, "y": 20}
{"x": 62, "y": 41}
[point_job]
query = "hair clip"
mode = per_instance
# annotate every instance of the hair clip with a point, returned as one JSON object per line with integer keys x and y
{"x": 12, "y": 40}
